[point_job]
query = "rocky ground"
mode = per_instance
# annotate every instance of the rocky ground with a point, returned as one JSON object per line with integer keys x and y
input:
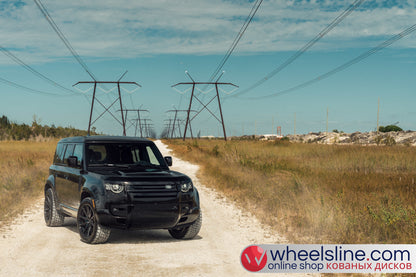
{"x": 407, "y": 138}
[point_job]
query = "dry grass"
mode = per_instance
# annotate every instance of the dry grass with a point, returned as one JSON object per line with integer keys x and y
{"x": 316, "y": 193}
{"x": 23, "y": 171}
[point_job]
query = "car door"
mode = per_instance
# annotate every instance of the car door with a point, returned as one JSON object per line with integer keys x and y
{"x": 74, "y": 181}
{"x": 62, "y": 175}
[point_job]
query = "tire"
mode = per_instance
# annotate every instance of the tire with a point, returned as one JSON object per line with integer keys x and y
{"x": 188, "y": 232}
{"x": 53, "y": 218}
{"x": 90, "y": 230}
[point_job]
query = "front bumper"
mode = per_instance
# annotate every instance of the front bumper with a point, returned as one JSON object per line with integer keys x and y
{"x": 180, "y": 209}
{"x": 148, "y": 215}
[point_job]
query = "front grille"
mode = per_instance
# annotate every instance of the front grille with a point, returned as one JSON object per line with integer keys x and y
{"x": 152, "y": 192}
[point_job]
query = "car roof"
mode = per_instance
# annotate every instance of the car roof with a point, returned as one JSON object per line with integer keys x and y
{"x": 98, "y": 139}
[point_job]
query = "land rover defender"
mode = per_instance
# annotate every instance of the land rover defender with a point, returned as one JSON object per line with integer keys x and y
{"x": 119, "y": 182}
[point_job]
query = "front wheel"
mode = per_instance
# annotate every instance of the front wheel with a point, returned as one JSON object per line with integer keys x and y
{"x": 188, "y": 232}
{"x": 89, "y": 228}
{"x": 53, "y": 217}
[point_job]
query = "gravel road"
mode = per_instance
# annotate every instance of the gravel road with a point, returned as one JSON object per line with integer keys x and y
{"x": 29, "y": 248}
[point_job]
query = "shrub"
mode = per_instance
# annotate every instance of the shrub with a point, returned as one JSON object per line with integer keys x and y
{"x": 389, "y": 128}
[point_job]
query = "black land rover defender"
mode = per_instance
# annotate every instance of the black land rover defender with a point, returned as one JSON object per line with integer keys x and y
{"x": 119, "y": 182}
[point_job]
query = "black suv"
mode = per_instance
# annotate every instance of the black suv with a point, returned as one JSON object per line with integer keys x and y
{"x": 119, "y": 182}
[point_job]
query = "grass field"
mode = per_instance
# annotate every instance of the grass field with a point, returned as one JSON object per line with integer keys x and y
{"x": 23, "y": 171}
{"x": 315, "y": 193}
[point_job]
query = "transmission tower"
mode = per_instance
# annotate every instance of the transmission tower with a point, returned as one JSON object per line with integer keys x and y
{"x": 135, "y": 121}
{"x": 177, "y": 122}
{"x": 194, "y": 85}
{"x": 107, "y": 109}
{"x": 145, "y": 126}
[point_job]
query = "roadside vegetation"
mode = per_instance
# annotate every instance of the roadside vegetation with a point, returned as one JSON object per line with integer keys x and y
{"x": 23, "y": 170}
{"x": 26, "y": 152}
{"x": 14, "y": 131}
{"x": 315, "y": 193}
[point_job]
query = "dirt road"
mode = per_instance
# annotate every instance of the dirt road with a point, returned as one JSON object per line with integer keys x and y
{"x": 29, "y": 248}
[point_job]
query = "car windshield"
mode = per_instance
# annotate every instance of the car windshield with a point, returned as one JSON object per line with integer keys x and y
{"x": 124, "y": 155}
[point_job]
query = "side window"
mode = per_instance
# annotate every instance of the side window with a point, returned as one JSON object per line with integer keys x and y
{"x": 59, "y": 153}
{"x": 78, "y": 153}
{"x": 152, "y": 156}
{"x": 68, "y": 152}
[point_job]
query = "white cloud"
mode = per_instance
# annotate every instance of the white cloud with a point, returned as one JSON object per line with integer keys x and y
{"x": 127, "y": 29}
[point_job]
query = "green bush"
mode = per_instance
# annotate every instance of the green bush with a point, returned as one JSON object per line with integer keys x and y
{"x": 389, "y": 128}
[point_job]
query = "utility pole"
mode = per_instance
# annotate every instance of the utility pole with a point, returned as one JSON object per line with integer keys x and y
{"x": 205, "y": 105}
{"x": 378, "y": 113}
{"x": 327, "y": 119}
{"x": 294, "y": 130}
{"x": 107, "y": 109}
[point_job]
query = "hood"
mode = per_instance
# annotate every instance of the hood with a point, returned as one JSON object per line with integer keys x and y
{"x": 121, "y": 175}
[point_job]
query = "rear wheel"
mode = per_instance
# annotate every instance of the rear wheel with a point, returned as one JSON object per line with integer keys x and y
{"x": 89, "y": 229}
{"x": 188, "y": 232}
{"x": 53, "y": 217}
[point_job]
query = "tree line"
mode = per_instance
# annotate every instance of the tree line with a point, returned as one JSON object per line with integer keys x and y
{"x": 14, "y": 131}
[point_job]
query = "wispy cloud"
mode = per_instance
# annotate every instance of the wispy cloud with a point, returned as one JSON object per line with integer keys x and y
{"x": 127, "y": 29}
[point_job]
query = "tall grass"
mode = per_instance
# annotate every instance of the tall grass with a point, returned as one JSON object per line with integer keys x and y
{"x": 23, "y": 171}
{"x": 316, "y": 193}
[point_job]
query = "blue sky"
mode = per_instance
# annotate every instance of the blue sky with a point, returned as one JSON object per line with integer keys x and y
{"x": 156, "y": 41}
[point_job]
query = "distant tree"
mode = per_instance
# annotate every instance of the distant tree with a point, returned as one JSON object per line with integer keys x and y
{"x": 4, "y": 122}
{"x": 389, "y": 128}
{"x": 15, "y": 131}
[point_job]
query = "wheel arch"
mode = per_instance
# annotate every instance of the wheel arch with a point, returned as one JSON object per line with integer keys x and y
{"x": 86, "y": 193}
{"x": 50, "y": 183}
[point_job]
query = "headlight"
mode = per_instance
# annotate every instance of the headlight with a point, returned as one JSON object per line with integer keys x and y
{"x": 186, "y": 187}
{"x": 116, "y": 188}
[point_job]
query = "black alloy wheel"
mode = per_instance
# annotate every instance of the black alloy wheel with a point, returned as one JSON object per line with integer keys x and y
{"x": 89, "y": 228}
{"x": 53, "y": 217}
{"x": 47, "y": 209}
{"x": 87, "y": 222}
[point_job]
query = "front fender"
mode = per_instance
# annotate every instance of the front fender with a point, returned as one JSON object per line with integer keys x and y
{"x": 94, "y": 188}
{"x": 50, "y": 183}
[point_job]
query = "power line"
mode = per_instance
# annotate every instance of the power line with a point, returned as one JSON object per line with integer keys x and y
{"x": 233, "y": 45}
{"x": 240, "y": 34}
{"x": 35, "y": 72}
{"x": 343, "y": 66}
{"x": 308, "y": 45}
{"x": 31, "y": 90}
{"x": 50, "y": 20}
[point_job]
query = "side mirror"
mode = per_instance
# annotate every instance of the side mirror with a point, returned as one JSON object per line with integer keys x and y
{"x": 168, "y": 160}
{"x": 73, "y": 161}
